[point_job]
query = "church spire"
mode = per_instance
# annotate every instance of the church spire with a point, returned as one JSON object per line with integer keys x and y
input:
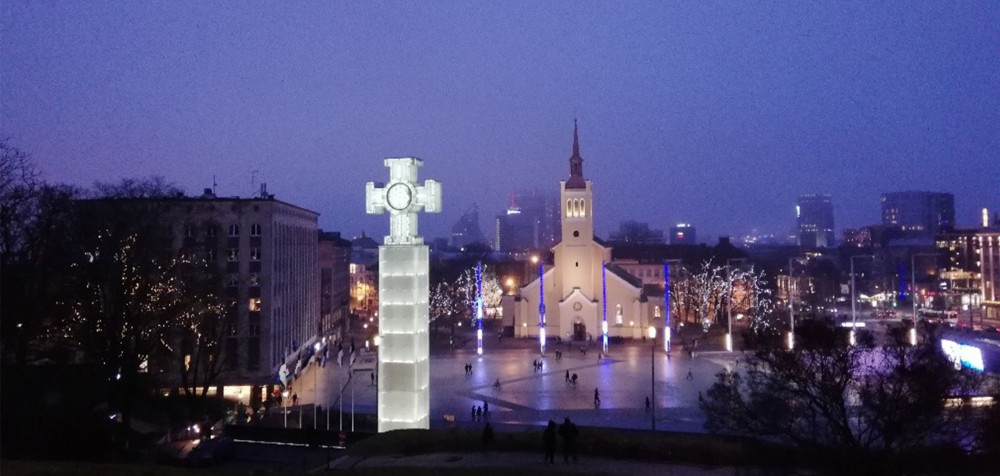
{"x": 576, "y": 179}
{"x": 576, "y": 140}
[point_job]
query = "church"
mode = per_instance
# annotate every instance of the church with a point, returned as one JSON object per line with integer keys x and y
{"x": 583, "y": 287}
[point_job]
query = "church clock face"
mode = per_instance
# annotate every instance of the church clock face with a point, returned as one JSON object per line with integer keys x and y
{"x": 577, "y": 306}
{"x": 399, "y": 196}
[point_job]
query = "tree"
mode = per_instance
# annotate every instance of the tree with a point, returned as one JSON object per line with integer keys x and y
{"x": 202, "y": 328}
{"x": 828, "y": 395}
{"x": 34, "y": 242}
{"x": 126, "y": 292}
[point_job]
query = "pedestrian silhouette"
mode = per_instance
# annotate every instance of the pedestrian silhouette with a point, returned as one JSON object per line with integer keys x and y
{"x": 473, "y": 413}
{"x": 479, "y": 413}
{"x": 690, "y": 375}
{"x": 549, "y": 440}
{"x": 568, "y": 432}
{"x": 597, "y": 397}
{"x": 573, "y": 379}
{"x": 486, "y": 409}
{"x": 647, "y": 404}
{"x": 373, "y": 377}
{"x": 567, "y": 375}
{"x": 487, "y": 435}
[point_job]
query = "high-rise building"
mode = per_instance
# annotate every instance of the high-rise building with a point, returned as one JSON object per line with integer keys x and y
{"x": 636, "y": 233}
{"x": 918, "y": 214}
{"x": 683, "y": 234}
{"x": 814, "y": 217}
{"x": 531, "y": 222}
{"x": 466, "y": 230}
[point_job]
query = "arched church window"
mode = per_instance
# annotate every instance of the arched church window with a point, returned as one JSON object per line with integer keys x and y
{"x": 656, "y": 311}
{"x": 583, "y": 208}
{"x": 569, "y": 208}
{"x": 618, "y": 314}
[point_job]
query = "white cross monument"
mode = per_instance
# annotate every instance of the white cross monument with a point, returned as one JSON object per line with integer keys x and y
{"x": 404, "y": 288}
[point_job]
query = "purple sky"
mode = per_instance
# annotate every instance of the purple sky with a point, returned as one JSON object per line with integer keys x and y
{"x": 718, "y": 114}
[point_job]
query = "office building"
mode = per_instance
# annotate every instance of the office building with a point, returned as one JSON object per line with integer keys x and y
{"x": 683, "y": 234}
{"x": 918, "y": 214}
{"x": 814, "y": 218}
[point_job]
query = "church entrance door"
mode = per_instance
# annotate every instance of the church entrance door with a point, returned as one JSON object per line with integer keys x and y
{"x": 579, "y": 331}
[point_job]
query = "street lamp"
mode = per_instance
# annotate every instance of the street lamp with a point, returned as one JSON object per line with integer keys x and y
{"x": 854, "y": 312}
{"x": 652, "y": 375}
{"x": 729, "y": 304}
{"x": 284, "y": 403}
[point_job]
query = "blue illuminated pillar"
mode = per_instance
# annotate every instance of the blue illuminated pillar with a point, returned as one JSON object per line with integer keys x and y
{"x": 541, "y": 307}
{"x": 604, "y": 302}
{"x": 479, "y": 308}
{"x": 666, "y": 306}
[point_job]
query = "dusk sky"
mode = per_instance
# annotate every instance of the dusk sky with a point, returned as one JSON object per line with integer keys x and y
{"x": 715, "y": 113}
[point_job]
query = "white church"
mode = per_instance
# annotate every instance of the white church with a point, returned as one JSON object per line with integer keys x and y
{"x": 583, "y": 285}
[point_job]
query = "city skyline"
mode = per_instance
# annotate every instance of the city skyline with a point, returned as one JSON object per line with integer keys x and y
{"x": 715, "y": 115}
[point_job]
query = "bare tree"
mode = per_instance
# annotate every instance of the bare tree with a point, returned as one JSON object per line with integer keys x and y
{"x": 834, "y": 396}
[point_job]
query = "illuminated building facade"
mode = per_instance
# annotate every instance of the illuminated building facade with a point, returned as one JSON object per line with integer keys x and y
{"x": 582, "y": 284}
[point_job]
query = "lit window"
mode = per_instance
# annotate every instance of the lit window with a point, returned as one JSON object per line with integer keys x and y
{"x": 618, "y": 314}
{"x": 234, "y": 254}
{"x": 254, "y": 304}
{"x": 254, "y": 279}
{"x": 234, "y": 230}
{"x": 254, "y": 254}
{"x": 656, "y": 311}
{"x": 255, "y": 230}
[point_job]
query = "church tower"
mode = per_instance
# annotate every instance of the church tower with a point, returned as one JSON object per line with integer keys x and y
{"x": 576, "y": 203}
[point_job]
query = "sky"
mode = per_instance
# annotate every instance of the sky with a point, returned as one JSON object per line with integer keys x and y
{"x": 718, "y": 114}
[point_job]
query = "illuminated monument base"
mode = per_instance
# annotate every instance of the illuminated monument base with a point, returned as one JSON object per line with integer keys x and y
{"x": 404, "y": 351}
{"x": 403, "y": 368}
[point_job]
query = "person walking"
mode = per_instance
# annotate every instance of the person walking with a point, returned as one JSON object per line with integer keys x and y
{"x": 568, "y": 432}
{"x": 567, "y": 375}
{"x": 473, "y": 413}
{"x": 479, "y": 413}
{"x": 597, "y": 398}
{"x": 549, "y": 440}
{"x": 373, "y": 378}
{"x": 486, "y": 410}
{"x": 487, "y": 435}
{"x": 647, "y": 405}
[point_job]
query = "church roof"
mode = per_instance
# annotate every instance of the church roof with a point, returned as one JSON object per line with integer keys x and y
{"x": 625, "y": 275}
{"x": 576, "y": 180}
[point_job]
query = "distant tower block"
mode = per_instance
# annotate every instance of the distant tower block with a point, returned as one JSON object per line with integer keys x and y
{"x": 403, "y": 365}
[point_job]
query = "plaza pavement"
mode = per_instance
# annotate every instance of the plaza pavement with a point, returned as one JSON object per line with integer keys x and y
{"x": 530, "y": 398}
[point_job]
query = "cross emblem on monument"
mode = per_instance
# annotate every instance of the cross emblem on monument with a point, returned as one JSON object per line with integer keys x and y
{"x": 403, "y": 197}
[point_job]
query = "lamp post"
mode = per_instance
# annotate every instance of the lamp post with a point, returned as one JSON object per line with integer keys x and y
{"x": 652, "y": 375}
{"x": 791, "y": 307}
{"x": 729, "y": 304}
{"x": 284, "y": 403}
{"x": 854, "y": 311}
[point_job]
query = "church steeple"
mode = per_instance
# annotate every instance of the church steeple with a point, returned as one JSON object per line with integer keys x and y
{"x": 576, "y": 180}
